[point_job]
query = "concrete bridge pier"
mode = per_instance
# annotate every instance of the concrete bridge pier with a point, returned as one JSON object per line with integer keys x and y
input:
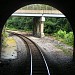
{"x": 35, "y": 24}
{"x": 38, "y": 28}
{"x": 42, "y": 19}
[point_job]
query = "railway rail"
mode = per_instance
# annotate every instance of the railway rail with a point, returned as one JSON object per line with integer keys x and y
{"x": 38, "y": 64}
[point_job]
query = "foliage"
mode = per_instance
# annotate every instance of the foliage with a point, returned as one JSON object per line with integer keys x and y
{"x": 20, "y": 23}
{"x": 52, "y": 25}
{"x": 61, "y": 33}
{"x": 67, "y": 38}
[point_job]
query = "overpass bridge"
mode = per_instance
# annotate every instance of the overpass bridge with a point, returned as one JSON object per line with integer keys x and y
{"x": 39, "y": 18}
{"x": 38, "y": 13}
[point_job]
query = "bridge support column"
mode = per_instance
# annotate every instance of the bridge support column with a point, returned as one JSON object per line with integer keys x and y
{"x": 41, "y": 26}
{"x": 35, "y": 26}
{"x": 38, "y": 26}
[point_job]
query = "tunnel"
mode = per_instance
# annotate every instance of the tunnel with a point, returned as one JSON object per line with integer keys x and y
{"x": 8, "y": 7}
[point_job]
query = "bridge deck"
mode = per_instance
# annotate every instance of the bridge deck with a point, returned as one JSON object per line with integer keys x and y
{"x": 32, "y": 13}
{"x": 38, "y": 11}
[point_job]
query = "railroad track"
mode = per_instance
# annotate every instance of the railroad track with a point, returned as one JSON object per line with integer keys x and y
{"x": 37, "y": 63}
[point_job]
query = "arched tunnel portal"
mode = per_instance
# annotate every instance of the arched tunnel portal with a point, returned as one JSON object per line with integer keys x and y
{"x": 8, "y": 7}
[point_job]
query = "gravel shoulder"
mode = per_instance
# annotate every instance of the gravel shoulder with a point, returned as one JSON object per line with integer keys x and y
{"x": 54, "y": 50}
{"x": 58, "y": 55}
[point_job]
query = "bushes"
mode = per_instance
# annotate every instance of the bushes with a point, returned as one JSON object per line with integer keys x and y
{"x": 53, "y": 25}
{"x": 20, "y": 23}
{"x": 67, "y": 38}
{"x": 61, "y": 33}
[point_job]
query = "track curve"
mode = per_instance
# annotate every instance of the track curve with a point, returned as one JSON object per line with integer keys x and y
{"x": 38, "y": 64}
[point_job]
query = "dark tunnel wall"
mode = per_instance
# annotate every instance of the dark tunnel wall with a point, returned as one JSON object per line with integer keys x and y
{"x": 7, "y": 7}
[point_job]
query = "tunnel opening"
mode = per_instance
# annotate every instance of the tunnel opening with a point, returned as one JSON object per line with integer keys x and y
{"x": 15, "y": 23}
